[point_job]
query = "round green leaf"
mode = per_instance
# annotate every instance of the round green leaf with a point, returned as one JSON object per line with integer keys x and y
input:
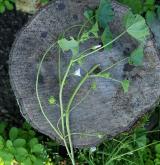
{"x": 6, "y": 156}
{"x": 38, "y": 162}
{"x": 137, "y": 56}
{"x": 33, "y": 158}
{"x": 13, "y": 133}
{"x": 27, "y": 161}
{"x": 19, "y": 142}
{"x": 32, "y": 142}
{"x": 21, "y": 151}
{"x": 21, "y": 154}
{"x": 136, "y": 26}
{"x": 8, "y": 5}
{"x": 9, "y": 144}
{"x": 104, "y": 13}
{"x": 32, "y": 133}
{"x": 37, "y": 148}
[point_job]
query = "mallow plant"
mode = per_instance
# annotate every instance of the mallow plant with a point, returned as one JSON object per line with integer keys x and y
{"x": 98, "y": 28}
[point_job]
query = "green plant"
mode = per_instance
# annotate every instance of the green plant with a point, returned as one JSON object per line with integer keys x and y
{"x": 140, "y": 6}
{"x": 6, "y": 5}
{"x": 139, "y": 147}
{"x": 20, "y": 145}
{"x": 134, "y": 148}
{"x": 127, "y": 149}
{"x": 9, "y": 4}
{"x": 44, "y": 1}
{"x": 148, "y": 8}
{"x": 97, "y": 27}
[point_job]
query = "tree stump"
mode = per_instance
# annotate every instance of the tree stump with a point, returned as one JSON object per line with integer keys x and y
{"x": 107, "y": 110}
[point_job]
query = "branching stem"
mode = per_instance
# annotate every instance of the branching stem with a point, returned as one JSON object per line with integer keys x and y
{"x": 69, "y": 107}
{"x": 104, "y": 46}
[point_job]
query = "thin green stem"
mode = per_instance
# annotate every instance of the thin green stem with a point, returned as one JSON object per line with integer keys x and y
{"x": 74, "y": 26}
{"x": 69, "y": 106}
{"x": 130, "y": 152}
{"x": 58, "y": 123}
{"x": 73, "y": 109}
{"x": 62, "y": 109}
{"x": 81, "y": 30}
{"x": 40, "y": 104}
{"x": 118, "y": 146}
{"x": 109, "y": 78}
{"x": 128, "y": 161}
{"x": 115, "y": 80}
{"x": 88, "y": 54}
{"x": 81, "y": 100}
{"x": 84, "y": 25}
{"x": 61, "y": 96}
{"x": 83, "y": 134}
{"x": 59, "y": 65}
{"x": 110, "y": 67}
{"x": 78, "y": 87}
{"x": 37, "y": 91}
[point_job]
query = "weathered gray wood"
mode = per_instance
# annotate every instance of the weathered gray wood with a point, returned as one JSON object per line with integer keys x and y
{"x": 106, "y": 110}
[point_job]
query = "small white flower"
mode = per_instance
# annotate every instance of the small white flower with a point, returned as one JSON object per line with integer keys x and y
{"x": 96, "y": 47}
{"x": 93, "y": 149}
{"x": 77, "y": 72}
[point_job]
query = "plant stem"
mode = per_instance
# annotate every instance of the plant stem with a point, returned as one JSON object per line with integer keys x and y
{"x": 40, "y": 104}
{"x": 83, "y": 26}
{"x": 69, "y": 106}
{"x": 113, "y": 65}
{"x": 88, "y": 54}
{"x": 140, "y": 148}
{"x": 37, "y": 91}
{"x": 71, "y": 154}
{"x": 61, "y": 96}
{"x": 59, "y": 65}
{"x": 85, "y": 96}
{"x": 84, "y": 134}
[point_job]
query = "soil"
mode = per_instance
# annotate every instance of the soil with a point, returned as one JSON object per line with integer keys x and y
{"x": 10, "y": 24}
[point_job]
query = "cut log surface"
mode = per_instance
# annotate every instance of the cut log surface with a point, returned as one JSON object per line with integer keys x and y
{"x": 107, "y": 110}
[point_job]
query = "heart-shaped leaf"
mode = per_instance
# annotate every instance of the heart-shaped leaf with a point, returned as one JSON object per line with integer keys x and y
{"x": 137, "y": 56}
{"x": 136, "y": 26}
{"x": 104, "y": 13}
{"x": 107, "y": 37}
{"x": 67, "y": 45}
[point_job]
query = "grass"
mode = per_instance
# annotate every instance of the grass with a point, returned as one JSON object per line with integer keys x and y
{"x": 139, "y": 147}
